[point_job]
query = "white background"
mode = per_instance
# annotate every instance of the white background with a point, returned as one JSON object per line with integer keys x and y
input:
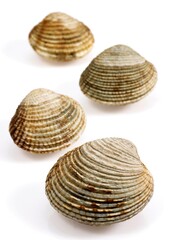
{"x": 25, "y": 212}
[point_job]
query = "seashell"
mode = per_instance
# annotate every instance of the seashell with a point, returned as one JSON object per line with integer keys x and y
{"x": 118, "y": 76}
{"x": 61, "y": 37}
{"x": 100, "y": 182}
{"x": 46, "y": 121}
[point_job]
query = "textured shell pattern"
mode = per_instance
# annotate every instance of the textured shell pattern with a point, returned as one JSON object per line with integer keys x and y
{"x": 61, "y": 37}
{"x": 46, "y": 121}
{"x": 100, "y": 182}
{"x": 118, "y": 76}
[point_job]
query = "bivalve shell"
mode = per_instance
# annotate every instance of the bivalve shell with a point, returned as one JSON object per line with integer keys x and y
{"x": 118, "y": 76}
{"x": 61, "y": 37}
{"x": 46, "y": 121}
{"x": 100, "y": 182}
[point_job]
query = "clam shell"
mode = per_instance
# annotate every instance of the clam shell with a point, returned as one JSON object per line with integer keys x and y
{"x": 61, "y": 37}
{"x": 100, "y": 182}
{"x": 46, "y": 121}
{"x": 118, "y": 76}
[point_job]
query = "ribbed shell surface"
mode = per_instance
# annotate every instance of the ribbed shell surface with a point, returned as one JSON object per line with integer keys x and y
{"x": 118, "y": 76}
{"x": 100, "y": 182}
{"x": 61, "y": 37}
{"x": 46, "y": 121}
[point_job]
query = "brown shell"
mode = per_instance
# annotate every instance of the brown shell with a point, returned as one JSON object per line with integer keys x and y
{"x": 100, "y": 182}
{"x": 61, "y": 37}
{"x": 46, "y": 121}
{"x": 118, "y": 76}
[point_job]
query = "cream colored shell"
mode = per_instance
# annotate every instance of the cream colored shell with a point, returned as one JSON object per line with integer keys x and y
{"x": 61, "y": 37}
{"x": 46, "y": 121}
{"x": 118, "y": 76}
{"x": 100, "y": 182}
